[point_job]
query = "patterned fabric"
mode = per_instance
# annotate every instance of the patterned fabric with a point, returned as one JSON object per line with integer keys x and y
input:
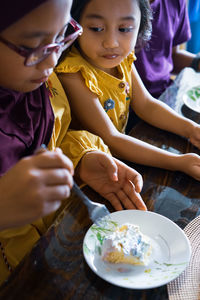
{"x": 113, "y": 93}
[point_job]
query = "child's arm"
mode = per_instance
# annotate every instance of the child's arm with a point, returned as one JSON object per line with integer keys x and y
{"x": 87, "y": 108}
{"x": 159, "y": 114}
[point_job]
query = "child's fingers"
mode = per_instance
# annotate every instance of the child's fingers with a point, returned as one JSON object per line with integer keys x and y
{"x": 110, "y": 166}
{"x": 57, "y": 192}
{"x": 57, "y": 177}
{"x": 53, "y": 159}
{"x": 139, "y": 202}
{"x": 50, "y": 207}
{"x": 134, "y": 196}
{"x": 58, "y": 150}
{"x": 126, "y": 200}
{"x": 113, "y": 199}
{"x": 136, "y": 179}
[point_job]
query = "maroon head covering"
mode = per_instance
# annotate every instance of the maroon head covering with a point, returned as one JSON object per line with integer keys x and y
{"x": 26, "y": 119}
{"x": 13, "y": 10}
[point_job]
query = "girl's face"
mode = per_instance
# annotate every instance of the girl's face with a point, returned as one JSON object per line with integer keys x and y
{"x": 110, "y": 29}
{"x": 44, "y": 25}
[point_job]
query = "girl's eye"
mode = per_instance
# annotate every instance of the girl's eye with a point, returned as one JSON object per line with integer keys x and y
{"x": 96, "y": 29}
{"x": 126, "y": 29}
{"x": 27, "y": 48}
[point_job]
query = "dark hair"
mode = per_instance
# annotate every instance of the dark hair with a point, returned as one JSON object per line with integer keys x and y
{"x": 145, "y": 24}
{"x": 145, "y": 29}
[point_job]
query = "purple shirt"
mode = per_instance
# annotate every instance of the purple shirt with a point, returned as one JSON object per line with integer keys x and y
{"x": 170, "y": 28}
{"x": 26, "y": 122}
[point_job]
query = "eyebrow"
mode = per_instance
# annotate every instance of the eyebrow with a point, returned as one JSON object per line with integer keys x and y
{"x": 34, "y": 34}
{"x": 95, "y": 16}
{"x": 39, "y": 34}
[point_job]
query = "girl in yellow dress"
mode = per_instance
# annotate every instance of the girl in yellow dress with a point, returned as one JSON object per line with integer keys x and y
{"x": 101, "y": 82}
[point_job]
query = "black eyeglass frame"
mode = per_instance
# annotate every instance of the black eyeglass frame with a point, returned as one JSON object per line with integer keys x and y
{"x": 47, "y": 49}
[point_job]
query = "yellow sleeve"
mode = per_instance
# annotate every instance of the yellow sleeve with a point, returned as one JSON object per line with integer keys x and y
{"x": 74, "y": 63}
{"x": 77, "y": 143}
{"x": 74, "y": 144}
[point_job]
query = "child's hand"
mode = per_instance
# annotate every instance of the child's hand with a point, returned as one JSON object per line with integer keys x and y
{"x": 194, "y": 135}
{"x": 113, "y": 180}
{"x": 190, "y": 164}
{"x": 34, "y": 187}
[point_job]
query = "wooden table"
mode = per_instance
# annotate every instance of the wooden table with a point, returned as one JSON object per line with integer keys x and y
{"x": 56, "y": 269}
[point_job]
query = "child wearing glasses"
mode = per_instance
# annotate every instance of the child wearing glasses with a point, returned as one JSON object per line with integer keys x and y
{"x": 34, "y": 181}
{"x": 101, "y": 82}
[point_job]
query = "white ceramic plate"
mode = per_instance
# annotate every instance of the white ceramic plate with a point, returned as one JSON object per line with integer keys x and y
{"x": 170, "y": 254}
{"x": 191, "y": 98}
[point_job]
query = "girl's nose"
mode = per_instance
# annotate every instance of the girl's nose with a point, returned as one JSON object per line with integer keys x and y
{"x": 110, "y": 40}
{"x": 50, "y": 61}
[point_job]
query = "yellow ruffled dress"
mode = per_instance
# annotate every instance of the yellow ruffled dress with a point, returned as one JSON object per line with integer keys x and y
{"x": 113, "y": 93}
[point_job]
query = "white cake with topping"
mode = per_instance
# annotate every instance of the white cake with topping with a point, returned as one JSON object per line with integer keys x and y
{"x": 127, "y": 245}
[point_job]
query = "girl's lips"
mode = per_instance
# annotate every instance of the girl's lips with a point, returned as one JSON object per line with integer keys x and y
{"x": 110, "y": 56}
{"x": 40, "y": 80}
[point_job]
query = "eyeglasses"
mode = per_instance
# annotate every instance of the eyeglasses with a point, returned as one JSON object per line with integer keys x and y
{"x": 35, "y": 56}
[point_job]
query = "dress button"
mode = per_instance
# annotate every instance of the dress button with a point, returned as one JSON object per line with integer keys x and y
{"x": 122, "y": 116}
{"x": 122, "y": 85}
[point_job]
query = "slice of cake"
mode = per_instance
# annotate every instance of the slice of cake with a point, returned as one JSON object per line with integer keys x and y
{"x": 127, "y": 245}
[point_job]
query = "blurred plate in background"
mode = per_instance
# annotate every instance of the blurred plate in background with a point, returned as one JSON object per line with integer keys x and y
{"x": 191, "y": 98}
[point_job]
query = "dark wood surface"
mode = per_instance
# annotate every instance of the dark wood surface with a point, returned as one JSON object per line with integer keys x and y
{"x": 55, "y": 269}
